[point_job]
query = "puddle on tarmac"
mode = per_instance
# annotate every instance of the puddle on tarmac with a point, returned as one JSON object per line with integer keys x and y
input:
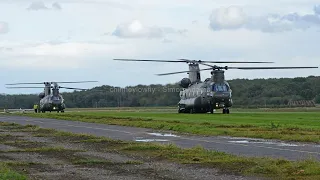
{"x": 264, "y": 142}
{"x": 151, "y": 140}
{"x": 163, "y": 135}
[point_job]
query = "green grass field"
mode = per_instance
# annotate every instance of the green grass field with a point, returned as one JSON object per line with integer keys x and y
{"x": 291, "y": 124}
{"x": 7, "y": 174}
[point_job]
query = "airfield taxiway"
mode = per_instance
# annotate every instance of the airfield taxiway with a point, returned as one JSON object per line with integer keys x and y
{"x": 232, "y": 145}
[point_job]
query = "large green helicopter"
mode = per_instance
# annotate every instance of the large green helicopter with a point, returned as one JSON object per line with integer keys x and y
{"x": 213, "y": 93}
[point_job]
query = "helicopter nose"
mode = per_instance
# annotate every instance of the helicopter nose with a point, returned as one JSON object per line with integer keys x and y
{"x": 56, "y": 102}
{"x": 221, "y": 95}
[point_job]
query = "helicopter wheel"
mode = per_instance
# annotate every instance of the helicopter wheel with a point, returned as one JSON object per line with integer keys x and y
{"x": 225, "y": 111}
{"x": 211, "y": 110}
{"x": 62, "y": 111}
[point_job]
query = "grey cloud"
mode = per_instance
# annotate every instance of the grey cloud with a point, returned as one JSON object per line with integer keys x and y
{"x": 108, "y": 3}
{"x": 182, "y": 31}
{"x": 269, "y": 23}
{"x": 56, "y": 6}
{"x": 316, "y": 9}
{"x": 231, "y": 17}
{"x": 55, "y": 42}
{"x": 4, "y": 28}
{"x": 135, "y": 29}
{"x": 166, "y": 41}
{"x": 106, "y": 34}
{"x": 39, "y": 5}
{"x": 5, "y": 49}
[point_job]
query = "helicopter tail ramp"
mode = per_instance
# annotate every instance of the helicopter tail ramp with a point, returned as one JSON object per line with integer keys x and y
{"x": 17, "y": 110}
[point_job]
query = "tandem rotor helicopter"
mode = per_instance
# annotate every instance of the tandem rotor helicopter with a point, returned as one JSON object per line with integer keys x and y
{"x": 50, "y": 98}
{"x": 205, "y": 96}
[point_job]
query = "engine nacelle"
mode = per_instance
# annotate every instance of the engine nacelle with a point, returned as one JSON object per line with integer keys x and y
{"x": 41, "y": 95}
{"x": 185, "y": 82}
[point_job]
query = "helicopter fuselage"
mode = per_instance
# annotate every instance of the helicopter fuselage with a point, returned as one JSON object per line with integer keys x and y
{"x": 203, "y": 97}
{"x": 52, "y": 103}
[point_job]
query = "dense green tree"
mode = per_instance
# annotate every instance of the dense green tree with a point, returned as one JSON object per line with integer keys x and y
{"x": 317, "y": 99}
{"x": 248, "y": 93}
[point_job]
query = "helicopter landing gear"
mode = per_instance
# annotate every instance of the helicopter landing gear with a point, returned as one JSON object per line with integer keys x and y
{"x": 225, "y": 111}
{"x": 211, "y": 110}
{"x": 182, "y": 108}
{"x": 62, "y": 111}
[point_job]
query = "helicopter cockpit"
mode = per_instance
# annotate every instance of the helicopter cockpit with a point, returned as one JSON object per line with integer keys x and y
{"x": 221, "y": 87}
{"x": 55, "y": 98}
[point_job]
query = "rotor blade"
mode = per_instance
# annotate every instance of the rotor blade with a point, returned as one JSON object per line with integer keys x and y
{"x": 256, "y": 68}
{"x": 242, "y": 68}
{"x": 150, "y": 60}
{"x": 187, "y": 60}
{"x": 207, "y": 64}
{"x": 53, "y": 82}
{"x": 24, "y": 83}
{"x": 23, "y": 87}
{"x": 163, "y": 74}
{"x": 72, "y": 88}
{"x": 75, "y": 82}
{"x": 201, "y": 61}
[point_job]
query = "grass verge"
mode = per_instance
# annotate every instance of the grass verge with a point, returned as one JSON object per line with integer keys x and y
{"x": 266, "y": 167}
{"x": 8, "y": 174}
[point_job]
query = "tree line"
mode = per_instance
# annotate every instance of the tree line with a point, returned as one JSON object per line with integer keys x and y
{"x": 245, "y": 93}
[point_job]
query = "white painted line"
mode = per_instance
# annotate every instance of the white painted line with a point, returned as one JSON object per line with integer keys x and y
{"x": 163, "y": 135}
{"x": 151, "y": 140}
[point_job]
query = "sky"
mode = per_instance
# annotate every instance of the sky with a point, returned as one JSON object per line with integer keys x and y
{"x": 77, "y": 40}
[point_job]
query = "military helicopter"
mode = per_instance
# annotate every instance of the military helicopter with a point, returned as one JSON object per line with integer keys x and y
{"x": 50, "y": 98}
{"x": 205, "y": 96}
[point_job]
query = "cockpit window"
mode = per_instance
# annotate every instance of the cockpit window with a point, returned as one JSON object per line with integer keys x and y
{"x": 55, "y": 98}
{"x": 219, "y": 87}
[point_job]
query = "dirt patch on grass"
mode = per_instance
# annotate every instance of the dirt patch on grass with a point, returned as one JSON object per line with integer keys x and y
{"x": 47, "y": 154}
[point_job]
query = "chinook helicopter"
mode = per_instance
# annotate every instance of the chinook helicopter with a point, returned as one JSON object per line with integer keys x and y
{"x": 50, "y": 98}
{"x": 205, "y": 96}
